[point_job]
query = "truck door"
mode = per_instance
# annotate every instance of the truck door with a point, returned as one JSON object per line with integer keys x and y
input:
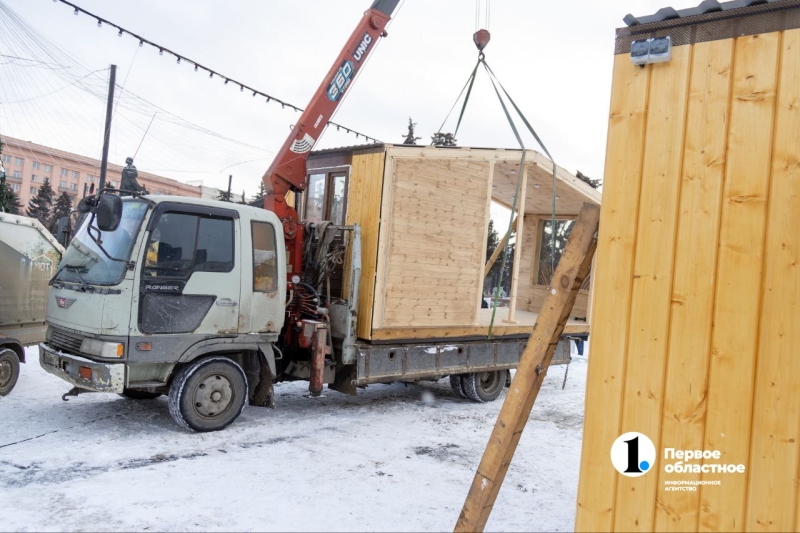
{"x": 190, "y": 279}
{"x": 266, "y": 305}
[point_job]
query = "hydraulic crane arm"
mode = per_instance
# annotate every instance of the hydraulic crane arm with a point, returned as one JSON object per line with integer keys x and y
{"x": 288, "y": 170}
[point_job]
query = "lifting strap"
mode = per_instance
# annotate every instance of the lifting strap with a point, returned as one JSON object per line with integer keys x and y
{"x": 495, "y": 83}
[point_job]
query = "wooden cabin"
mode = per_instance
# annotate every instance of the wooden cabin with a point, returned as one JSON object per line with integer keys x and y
{"x": 696, "y": 319}
{"x": 424, "y": 214}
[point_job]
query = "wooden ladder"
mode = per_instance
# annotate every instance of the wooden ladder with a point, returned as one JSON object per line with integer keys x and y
{"x": 572, "y": 269}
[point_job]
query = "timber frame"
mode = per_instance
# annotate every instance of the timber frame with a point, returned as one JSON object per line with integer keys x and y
{"x": 424, "y": 214}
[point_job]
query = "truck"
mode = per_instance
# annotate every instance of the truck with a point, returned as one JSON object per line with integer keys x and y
{"x": 29, "y": 255}
{"x": 212, "y": 303}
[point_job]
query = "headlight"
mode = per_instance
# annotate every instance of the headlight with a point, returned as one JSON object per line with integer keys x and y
{"x": 101, "y": 348}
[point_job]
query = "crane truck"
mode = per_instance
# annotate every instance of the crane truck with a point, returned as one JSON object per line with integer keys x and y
{"x": 211, "y": 303}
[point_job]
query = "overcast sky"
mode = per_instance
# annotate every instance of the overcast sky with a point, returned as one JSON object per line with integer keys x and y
{"x": 553, "y": 57}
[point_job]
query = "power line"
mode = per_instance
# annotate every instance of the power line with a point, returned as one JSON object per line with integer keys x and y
{"x": 199, "y": 66}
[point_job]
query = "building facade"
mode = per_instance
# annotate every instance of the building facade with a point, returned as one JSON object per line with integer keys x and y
{"x": 28, "y": 165}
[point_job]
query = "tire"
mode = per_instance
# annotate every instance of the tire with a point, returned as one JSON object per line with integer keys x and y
{"x": 133, "y": 394}
{"x": 9, "y": 370}
{"x": 208, "y": 395}
{"x": 455, "y": 384}
{"x": 484, "y": 386}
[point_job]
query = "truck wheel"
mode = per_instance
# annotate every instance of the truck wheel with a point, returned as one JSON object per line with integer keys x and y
{"x": 455, "y": 384}
{"x": 9, "y": 370}
{"x": 484, "y": 386}
{"x": 208, "y": 395}
{"x": 133, "y": 394}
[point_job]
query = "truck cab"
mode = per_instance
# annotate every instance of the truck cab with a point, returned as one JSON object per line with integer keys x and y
{"x": 176, "y": 280}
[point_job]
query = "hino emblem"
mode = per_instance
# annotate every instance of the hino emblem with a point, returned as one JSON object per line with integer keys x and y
{"x": 64, "y": 303}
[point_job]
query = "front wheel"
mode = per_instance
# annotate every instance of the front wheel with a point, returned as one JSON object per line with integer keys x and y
{"x": 208, "y": 395}
{"x": 9, "y": 370}
{"x": 484, "y": 386}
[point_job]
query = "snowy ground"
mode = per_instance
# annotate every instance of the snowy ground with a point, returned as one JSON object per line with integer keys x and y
{"x": 382, "y": 461}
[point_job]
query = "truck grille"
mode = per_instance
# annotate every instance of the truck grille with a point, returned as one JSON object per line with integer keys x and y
{"x": 65, "y": 341}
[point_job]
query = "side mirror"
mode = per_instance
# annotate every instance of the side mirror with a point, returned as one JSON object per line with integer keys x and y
{"x": 108, "y": 212}
{"x": 63, "y": 231}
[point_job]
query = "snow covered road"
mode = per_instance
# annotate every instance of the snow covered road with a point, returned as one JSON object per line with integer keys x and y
{"x": 382, "y": 461}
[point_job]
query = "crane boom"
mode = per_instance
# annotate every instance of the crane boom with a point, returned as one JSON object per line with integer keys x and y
{"x": 288, "y": 170}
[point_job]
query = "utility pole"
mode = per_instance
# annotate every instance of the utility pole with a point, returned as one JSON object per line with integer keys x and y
{"x": 230, "y": 180}
{"x": 112, "y": 80}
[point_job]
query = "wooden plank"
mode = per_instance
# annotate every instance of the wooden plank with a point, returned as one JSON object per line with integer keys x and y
{"x": 530, "y": 374}
{"x": 652, "y": 278}
{"x": 417, "y": 333}
{"x": 384, "y": 241}
{"x": 609, "y": 328}
{"x": 512, "y": 305}
{"x": 739, "y": 276}
{"x": 484, "y": 241}
{"x": 775, "y": 436}
{"x": 692, "y": 298}
{"x": 683, "y": 412}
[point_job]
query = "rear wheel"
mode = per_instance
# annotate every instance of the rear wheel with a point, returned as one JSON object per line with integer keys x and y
{"x": 9, "y": 370}
{"x": 455, "y": 384}
{"x": 133, "y": 394}
{"x": 208, "y": 395}
{"x": 484, "y": 386}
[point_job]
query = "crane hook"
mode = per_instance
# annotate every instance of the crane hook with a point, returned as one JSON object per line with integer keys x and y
{"x": 481, "y": 39}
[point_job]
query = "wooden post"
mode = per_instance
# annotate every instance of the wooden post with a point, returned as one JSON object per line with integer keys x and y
{"x": 512, "y": 304}
{"x": 569, "y": 275}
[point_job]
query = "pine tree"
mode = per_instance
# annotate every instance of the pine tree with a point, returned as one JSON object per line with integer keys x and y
{"x": 595, "y": 184}
{"x": 409, "y": 136}
{"x": 41, "y": 205}
{"x": 61, "y": 209}
{"x": 222, "y": 196}
{"x": 244, "y": 199}
{"x": 262, "y": 191}
{"x": 9, "y": 202}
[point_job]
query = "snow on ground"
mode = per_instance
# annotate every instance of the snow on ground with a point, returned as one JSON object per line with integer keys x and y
{"x": 382, "y": 461}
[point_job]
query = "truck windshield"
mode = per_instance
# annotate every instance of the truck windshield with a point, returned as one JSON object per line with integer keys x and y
{"x": 85, "y": 262}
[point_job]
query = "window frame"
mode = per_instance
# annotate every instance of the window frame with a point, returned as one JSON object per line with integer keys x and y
{"x": 327, "y": 201}
{"x": 253, "y": 255}
{"x": 199, "y": 212}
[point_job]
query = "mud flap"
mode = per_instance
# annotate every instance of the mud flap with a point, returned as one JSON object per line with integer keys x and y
{"x": 344, "y": 381}
{"x": 264, "y": 395}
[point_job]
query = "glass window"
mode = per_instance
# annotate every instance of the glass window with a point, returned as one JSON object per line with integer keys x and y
{"x": 89, "y": 178}
{"x": 63, "y": 184}
{"x": 548, "y": 261}
{"x": 75, "y": 174}
{"x": 214, "y": 245}
{"x": 18, "y": 161}
{"x": 73, "y": 186}
{"x": 181, "y": 244}
{"x": 63, "y": 171}
{"x": 337, "y": 201}
{"x": 265, "y": 267}
{"x": 15, "y": 187}
{"x": 6, "y": 159}
{"x": 36, "y": 165}
{"x": 48, "y": 168}
{"x": 315, "y": 198}
{"x": 17, "y": 174}
{"x": 34, "y": 177}
{"x": 34, "y": 191}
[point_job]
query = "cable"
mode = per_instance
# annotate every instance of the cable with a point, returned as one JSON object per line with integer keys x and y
{"x": 199, "y": 66}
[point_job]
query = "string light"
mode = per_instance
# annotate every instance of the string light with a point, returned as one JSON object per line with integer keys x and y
{"x": 211, "y": 73}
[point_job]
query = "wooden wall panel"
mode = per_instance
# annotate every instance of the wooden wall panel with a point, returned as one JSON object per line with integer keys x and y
{"x": 683, "y": 418}
{"x": 616, "y": 244}
{"x": 775, "y": 436}
{"x": 652, "y": 276}
{"x": 435, "y": 242}
{"x": 364, "y": 207}
{"x": 696, "y": 305}
{"x": 739, "y": 280}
